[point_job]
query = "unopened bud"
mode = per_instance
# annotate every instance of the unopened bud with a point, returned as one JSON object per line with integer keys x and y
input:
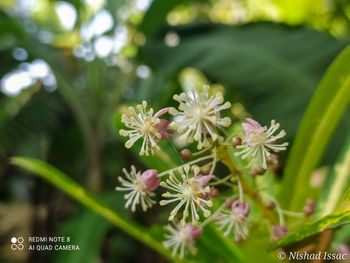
{"x": 186, "y": 154}
{"x": 150, "y": 179}
{"x": 279, "y": 232}
{"x": 309, "y": 208}
{"x": 272, "y": 159}
{"x": 229, "y": 202}
{"x": 214, "y": 192}
{"x": 236, "y": 141}
{"x": 259, "y": 171}
{"x": 240, "y": 208}
{"x": 193, "y": 232}
{"x": 206, "y": 169}
{"x": 270, "y": 205}
{"x": 195, "y": 168}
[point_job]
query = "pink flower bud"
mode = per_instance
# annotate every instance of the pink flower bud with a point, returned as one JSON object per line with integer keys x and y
{"x": 309, "y": 207}
{"x": 162, "y": 128}
{"x": 240, "y": 208}
{"x": 150, "y": 179}
{"x": 229, "y": 202}
{"x": 279, "y": 232}
{"x": 213, "y": 193}
{"x": 204, "y": 179}
{"x": 250, "y": 125}
{"x": 193, "y": 232}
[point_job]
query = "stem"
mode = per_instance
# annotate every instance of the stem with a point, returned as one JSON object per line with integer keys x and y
{"x": 240, "y": 190}
{"x": 189, "y": 163}
{"x": 221, "y": 180}
{"x": 200, "y": 152}
{"x": 214, "y": 162}
{"x": 293, "y": 214}
{"x": 247, "y": 189}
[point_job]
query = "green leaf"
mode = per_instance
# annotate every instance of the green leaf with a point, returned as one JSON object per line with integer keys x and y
{"x": 327, "y": 106}
{"x": 95, "y": 204}
{"x": 79, "y": 229}
{"x": 334, "y": 220}
{"x": 337, "y": 182}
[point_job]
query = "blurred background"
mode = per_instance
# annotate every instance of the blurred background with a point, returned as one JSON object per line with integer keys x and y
{"x": 67, "y": 69}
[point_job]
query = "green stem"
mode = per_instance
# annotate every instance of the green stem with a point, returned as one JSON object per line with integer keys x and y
{"x": 221, "y": 180}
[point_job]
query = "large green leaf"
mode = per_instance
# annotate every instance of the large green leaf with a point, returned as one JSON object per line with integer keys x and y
{"x": 275, "y": 67}
{"x": 328, "y": 104}
{"x": 79, "y": 229}
{"x": 77, "y": 192}
{"x": 337, "y": 182}
{"x": 334, "y": 220}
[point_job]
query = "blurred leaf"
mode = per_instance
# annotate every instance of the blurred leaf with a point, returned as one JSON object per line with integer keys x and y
{"x": 88, "y": 230}
{"x": 337, "y": 182}
{"x": 156, "y": 15}
{"x": 320, "y": 120}
{"x": 334, "y": 220}
{"x": 275, "y": 67}
{"x": 77, "y": 192}
{"x": 31, "y": 114}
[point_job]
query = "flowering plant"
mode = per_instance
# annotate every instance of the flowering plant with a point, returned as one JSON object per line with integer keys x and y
{"x": 191, "y": 189}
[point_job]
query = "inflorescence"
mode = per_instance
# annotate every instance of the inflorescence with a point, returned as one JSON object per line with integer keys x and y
{"x": 190, "y": 189}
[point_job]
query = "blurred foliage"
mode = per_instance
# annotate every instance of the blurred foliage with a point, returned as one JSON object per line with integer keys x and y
{"x": 266, "y": 56}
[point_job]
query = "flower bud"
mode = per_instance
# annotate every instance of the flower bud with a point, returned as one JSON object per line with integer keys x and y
{"x": 150, "y": 179}
{"x": 229, "y": 202}
{"x": 259, "y": 170}
{"x": 236, "y": 141}
{"x": 162, "y": 128}
{"x": 186, "y": 154}
{"x": 193, "y": 232}
{"x": 213, "y": 193}
{"x": 272, "y": 159}
{"x": 343, "y": 249}
{"x": 206, "y": 169}
{"x": 270, "y": 205}
{"x": 309, "y": 207}
{"x": 279, "y": 232}
{"x": 240, "y": 208}
{"x": 195, "y": 169}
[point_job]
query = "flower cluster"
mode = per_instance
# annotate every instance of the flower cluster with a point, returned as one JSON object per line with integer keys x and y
{"x": 189, "y": 188}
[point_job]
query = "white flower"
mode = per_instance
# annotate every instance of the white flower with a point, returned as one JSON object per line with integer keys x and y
{"x": 199, "y": 116}
{"x": 143, "y": 125}
{"x": 140, "y": 187}
{"x": 259, "y": 140}
{"x": 182, "y": 238}
{"x": 235, "y": 219}
{"x": 189, "y": 192}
